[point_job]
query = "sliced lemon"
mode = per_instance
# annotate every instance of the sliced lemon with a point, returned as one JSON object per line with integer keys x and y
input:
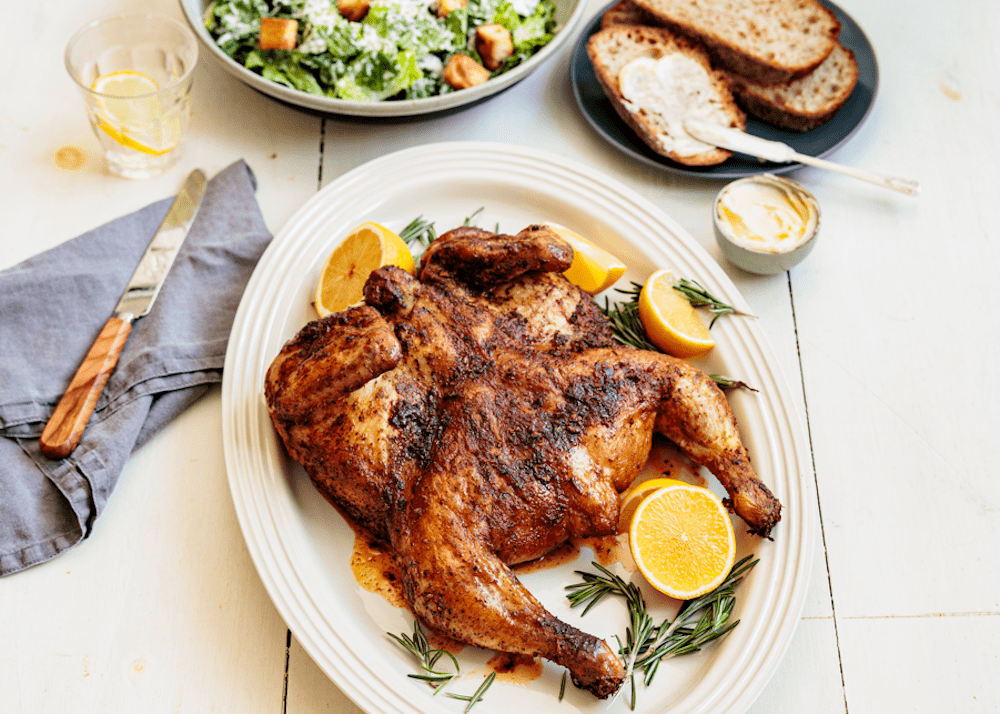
{"x": 594, "y": 269}
{"x": 342, "y": 279}
{"x": 125, "y": 83}
{"x": 631, "y": 499}
{"x": 132, "y": 115}
{"x": 682, "y": 540}
{"x": 670, "y": 322}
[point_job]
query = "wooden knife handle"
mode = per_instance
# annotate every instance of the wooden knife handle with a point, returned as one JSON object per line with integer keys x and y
{"x": 66, "y": 425}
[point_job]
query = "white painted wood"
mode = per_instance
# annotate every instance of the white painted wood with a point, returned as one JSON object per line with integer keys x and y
{"x": 808, "y": 679}
{"x": 939, "y": 664}
{"x": 896, "y": 330}
{"x": 892, "y": 319}
{"x": 161, "y": 610}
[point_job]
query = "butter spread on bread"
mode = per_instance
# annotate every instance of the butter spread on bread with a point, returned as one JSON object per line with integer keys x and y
{"x": 672, "y": 87}
{"x": 653, "y": 79}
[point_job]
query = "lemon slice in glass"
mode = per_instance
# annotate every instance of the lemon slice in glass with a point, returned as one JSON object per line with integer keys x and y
{"x": 130, "y": 112}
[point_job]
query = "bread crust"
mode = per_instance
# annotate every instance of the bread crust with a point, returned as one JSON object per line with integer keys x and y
{"x": 612, "y": 48}
{"x": 805, "y": 103}
{"x": 766, "y": 41}
{"x": 626, "y": 12}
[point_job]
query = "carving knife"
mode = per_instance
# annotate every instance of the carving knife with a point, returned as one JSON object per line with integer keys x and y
{"x": 66, "y": 425}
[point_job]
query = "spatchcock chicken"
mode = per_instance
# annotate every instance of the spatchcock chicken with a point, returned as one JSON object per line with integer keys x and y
{"x": 478, "y": 416}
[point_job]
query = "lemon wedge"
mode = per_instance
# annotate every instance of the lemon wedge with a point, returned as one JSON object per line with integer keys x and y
{"x": 594, "y": 269}
{"x": 343, "y": 276}
{"x": 670, "y": 322}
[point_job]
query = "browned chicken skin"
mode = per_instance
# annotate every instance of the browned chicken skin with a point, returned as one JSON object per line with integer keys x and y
{"x": 480, "y": 416}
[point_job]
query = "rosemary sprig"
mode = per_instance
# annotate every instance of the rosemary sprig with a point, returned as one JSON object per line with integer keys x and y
{"x": 626, "y": 327}
{"x": 725, "y": 382}
{"x": 697, "y": 623}
{"x": 428, "y": 657}
{"x": 640, "y": 629}
{"x": 698, "y": 296}
{"x": 471, "y": 220}
{"x": 419, "y": 231}
{"x": 476, "y": 696}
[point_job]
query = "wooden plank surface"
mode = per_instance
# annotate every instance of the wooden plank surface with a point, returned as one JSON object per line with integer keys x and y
{"x": 886, "y": 335}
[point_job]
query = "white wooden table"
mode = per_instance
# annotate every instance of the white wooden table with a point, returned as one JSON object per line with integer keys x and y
{"x": 888, "y": 333}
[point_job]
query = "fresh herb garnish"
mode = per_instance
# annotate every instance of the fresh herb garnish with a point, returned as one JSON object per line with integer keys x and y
{"x": 419, "y": 231}
{"x": 698, "y": 622}
{"x": 698, "y": 296}
{"x": 473, "y": 698}
{"x": 626, "y": 327}
{"x": 471, "y": 220}
{"x": 725, "y": 382}
{"x": 428, "y": 657}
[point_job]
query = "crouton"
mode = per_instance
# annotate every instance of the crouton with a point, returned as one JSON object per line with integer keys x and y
{"x": 277, "y": 33}
{"x": 446, "y": 6}
{"x": 463, "y": 72}
{"x": 353, "y": 10}
{"x": 494, "y": 45}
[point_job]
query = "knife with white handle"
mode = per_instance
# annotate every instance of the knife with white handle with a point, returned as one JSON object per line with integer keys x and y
{"x": 66, "y": 425}
{"x": 736, "y": 140}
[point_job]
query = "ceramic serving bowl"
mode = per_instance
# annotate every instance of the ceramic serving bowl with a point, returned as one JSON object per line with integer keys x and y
{"x": 568, "y": 16}
{"x": 766, "y": 224}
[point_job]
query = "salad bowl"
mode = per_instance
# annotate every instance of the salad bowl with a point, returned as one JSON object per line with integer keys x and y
{"x": 568, "y": 15}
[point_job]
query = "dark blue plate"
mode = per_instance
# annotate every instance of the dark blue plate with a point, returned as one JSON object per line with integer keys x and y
{"x": 819, "y": 142}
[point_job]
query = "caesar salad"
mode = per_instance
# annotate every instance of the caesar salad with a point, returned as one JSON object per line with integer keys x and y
{"x": 378, "y": 50}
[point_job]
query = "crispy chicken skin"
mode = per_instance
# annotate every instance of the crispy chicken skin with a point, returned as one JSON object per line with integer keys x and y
{"x": 480, "y": 415}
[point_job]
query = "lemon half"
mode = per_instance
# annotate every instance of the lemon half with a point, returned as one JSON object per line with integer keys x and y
{"x": 343, "y": 276}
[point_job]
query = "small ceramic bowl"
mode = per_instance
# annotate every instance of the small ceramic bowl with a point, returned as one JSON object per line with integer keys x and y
{"x": 765, "y": 224}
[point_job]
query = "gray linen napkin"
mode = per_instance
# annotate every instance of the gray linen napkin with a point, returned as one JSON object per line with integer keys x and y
{"x": 53, "y": 305}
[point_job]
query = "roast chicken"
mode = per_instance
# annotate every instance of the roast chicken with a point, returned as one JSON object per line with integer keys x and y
{"x": 478, "y": 416}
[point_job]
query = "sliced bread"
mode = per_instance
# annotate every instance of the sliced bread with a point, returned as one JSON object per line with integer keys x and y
{"x": 626, "y": 12}
{"x": 665, "y": 78}
{"x": 766, "y": 41}
{"x": 803, "y": 104}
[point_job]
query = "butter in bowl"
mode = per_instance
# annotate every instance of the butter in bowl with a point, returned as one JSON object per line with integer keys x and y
{"x": 766, "y": 224}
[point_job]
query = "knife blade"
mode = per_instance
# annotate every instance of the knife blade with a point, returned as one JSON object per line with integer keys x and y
{"x": 736, "y": 140}
{"x": 65, "y": 427}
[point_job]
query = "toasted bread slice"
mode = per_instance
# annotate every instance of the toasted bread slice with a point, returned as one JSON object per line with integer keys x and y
{"x": 655, "y": 110}
{"x": 766, "y": 41}
{"x": 806, "y": 103}
{"x": 626, "y": 12}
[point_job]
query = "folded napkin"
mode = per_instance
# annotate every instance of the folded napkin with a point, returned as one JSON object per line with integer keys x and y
{"x": 53, "y": 305}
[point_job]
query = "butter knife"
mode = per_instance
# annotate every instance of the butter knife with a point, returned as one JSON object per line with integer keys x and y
{"x": 736, "y": 140}
{"x": 65, "y": 427}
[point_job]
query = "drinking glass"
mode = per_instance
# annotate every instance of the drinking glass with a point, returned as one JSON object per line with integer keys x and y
{"x": 135, "y": 74}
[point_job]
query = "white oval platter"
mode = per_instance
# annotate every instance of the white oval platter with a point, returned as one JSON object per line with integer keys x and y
{"x": 300, "y": 544}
